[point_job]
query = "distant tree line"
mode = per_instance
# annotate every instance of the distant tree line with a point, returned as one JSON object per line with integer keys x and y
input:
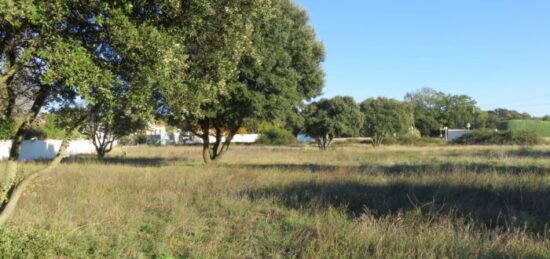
{"x": 425, "y": 112}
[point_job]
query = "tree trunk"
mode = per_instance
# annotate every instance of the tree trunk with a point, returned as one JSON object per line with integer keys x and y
{"x": 319, "y": 142}
{"x": 11, "y": 167}
{"x": 217, "y": 145}
{"x": 6, "y": 82}
{"x": 377, "y": 140}
{"x": 14, "y": 194}
{"x": 206, "y": 148}
{"x": 101, "y": 153}
{"x": 228, "y": 140}
{"x": 324, "y": 142}
{"x": 225, "y": 145}
{"x": 328, "y": 141}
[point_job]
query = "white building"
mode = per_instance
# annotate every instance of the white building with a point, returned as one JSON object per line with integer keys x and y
{"x": 46, "y": 149}
{"x": 190, "y": 138}
{"x": 453, "y": 134}
{"x": 159, "y": 135}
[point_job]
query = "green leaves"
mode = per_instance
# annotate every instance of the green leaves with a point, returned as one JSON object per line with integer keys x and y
{"x": 266, "y": 76}
{"x": 336, "y": 117}
{"x": 17, "y": 12}
{"x": 226, "y": 61}
{"x": 385, "y": 117}
{"x": 434, "y": 109}
{"x": 212, "y": 36}
{"x": 70, "y": 66}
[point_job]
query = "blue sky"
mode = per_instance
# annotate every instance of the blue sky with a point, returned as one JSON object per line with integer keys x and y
{"x": 497, "y": 51}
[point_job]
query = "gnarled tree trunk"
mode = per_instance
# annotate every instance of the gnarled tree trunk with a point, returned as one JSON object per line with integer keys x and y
{"x": 324, "y": 141}
{"x": 17, "y": 141}
{"x": 102, "y": 139}
{"x": 15, "y": 192}
{"x": 219, "y": 147}
{"x": 377, "y": 140}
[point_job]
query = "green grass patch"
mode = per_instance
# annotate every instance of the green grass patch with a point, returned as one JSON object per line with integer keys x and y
{"x": 289, "y": 202}
{"x": 541, "y": 128}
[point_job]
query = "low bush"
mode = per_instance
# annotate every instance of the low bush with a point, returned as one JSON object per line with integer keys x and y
{"x": 507, "y": 137}
{"x": 413, "y": 141}
{"x": 132, "y": 140}
{"x": 51, "y": 128}
{"x": 276, "y": 136}
{"x": 27, "y": 243}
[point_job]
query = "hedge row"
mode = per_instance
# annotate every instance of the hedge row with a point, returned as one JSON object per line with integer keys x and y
{"x": 507, "y": 137}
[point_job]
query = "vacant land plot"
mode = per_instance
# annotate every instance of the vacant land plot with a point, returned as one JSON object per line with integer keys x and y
{"x": 350, "y": 202}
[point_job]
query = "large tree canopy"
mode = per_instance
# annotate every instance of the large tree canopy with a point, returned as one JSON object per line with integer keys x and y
{"x": 214, "y": 35}
{"x": 330, "y": 118}
{"x": 76, "y": 56}
{"x": 279, "y": 69}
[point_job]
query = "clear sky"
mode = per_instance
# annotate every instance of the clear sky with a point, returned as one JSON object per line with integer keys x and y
{"x": 497, "y": 51}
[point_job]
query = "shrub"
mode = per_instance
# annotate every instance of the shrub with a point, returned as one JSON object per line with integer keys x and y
{"x": 136, "y": 139}
{"x": 7, "y": 130}
{"x": 126, "y": 141}
{"x": 409, "y": 140}
{"x": 27, "y": 243}
{"x": 51, "y": 128}
{"x": 36, "y": 133}
{"x": 276, "y": 136}
{"x": 507, "y": 137}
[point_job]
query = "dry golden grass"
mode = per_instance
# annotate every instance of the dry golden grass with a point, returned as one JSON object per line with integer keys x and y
{"x": 351, "y": 202}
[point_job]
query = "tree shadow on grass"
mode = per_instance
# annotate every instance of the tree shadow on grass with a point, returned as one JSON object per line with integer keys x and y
{"x": 404, "y": 168}
{"x": 519, "y": 153}
{"x": 492, "y": 207}
{"x": 527, "y": 153}
{"x": 123, "y": 161}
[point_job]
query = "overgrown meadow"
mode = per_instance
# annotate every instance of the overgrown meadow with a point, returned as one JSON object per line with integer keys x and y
{"x": 277, "y": 202}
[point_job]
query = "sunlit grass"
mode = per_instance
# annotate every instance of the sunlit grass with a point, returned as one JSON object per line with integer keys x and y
{"x": 350, "y": 202}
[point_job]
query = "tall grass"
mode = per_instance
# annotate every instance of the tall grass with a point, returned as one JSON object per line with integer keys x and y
{"x": 350, "y": 202}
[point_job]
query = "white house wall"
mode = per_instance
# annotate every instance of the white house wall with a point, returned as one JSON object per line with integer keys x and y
{"x": 238, "y": 138}
{"x": 245, "y": 138}
{"x": 46, "y": 149}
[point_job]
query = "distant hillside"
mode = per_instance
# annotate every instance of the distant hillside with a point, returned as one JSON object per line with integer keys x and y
{"x": 542, "y": 128}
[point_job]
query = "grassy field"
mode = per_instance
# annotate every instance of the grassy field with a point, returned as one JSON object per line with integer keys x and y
{"x": 280, "y": 202}
{"x": 542, "y": 128}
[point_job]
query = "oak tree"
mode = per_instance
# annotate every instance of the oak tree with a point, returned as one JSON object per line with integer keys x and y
{"x": 330, "y": 118}
{"x": 385, "y": 117}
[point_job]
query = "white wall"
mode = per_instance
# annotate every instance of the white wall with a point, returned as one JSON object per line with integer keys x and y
{"x": 453, "y": 134}
{"x": 245, "y": 138}
{"x": 46, "y": 149}
{"x": 238, "y": 138}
